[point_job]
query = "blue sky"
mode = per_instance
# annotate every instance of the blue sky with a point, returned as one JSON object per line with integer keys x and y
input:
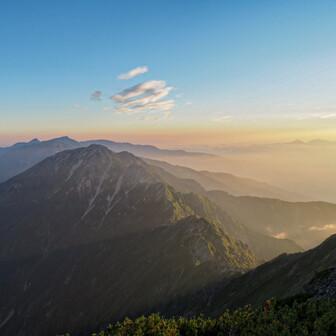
{"x": 235, "y": 68}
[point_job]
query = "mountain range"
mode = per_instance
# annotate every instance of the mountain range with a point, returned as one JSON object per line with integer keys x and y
{"x": 232, "y": 184}
{"x": 265, "y": 212}
{"x": 21, "y": 156}
{"x": 89, "y": 236}
{"x": 307, "y": 168}
{"x": 307, "y": 223}
{"x": 95, "y": 222}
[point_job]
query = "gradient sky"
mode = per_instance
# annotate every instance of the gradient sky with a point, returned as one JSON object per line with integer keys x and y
{"x": 231, "y": 71}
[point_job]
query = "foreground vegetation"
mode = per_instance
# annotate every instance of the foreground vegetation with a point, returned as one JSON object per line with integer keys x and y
{"x": 293, "y": 316}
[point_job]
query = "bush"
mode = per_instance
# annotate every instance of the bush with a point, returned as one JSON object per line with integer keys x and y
{"x": 286, "y": 317}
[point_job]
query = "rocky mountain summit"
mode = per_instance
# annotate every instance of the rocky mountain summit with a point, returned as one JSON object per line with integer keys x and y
{"x": 323, "y": 284}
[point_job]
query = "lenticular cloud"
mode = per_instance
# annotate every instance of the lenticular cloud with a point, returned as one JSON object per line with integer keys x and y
{"x": 143, "y": 97}
{"x": 135, "y": 72}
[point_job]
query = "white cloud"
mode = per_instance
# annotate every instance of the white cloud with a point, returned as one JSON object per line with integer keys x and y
{"x": 96, "y": 96}
{"x": 132, "y": 73}
{"x": 143, "y": 97}
{"x": 326, "y": 227}
{"x": 281, "y": 235}
{"x": 223, "y": 119}
{"x": 312, "y": 116}
{"x": 188, "y": 103}
{"x": 328, "y": 116}
{"x": 153, "y": 88}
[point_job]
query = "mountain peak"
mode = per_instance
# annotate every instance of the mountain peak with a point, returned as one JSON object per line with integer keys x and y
{"x": 87, "y": 170}
{"x": 65, "y": 137}
{"x": 35, "y": 140}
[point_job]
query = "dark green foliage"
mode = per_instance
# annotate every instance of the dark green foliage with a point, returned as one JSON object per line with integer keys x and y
{"x": 299, "y": 317}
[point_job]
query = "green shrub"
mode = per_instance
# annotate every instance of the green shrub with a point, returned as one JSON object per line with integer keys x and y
{"x": 287, "y": 317}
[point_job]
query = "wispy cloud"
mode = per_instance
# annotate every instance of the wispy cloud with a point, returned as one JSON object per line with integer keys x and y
{"x": 313, "y": 116}
{"x": 132, "y": 73}
{"x": 143, "y": 97}
{"x": 163, "y": 116}
{"x": 188, "y": 103}
{"x": 281, "y": 235}
{"x": 106, "y": 108}
{"x": 326, "y": 227}
{"x": 96, "y": 96}
{"x": 328, "y": 116}
{"x": 223, "y": 119}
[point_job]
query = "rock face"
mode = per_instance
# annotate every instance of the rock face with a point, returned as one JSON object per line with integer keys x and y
{"x": 323, "y": 285}
{"x": 89, "y": 236}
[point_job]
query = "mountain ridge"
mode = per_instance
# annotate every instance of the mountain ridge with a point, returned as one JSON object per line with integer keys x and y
{"x": 262, "y": 283}
{"x": 18, "y": 158}
{"x": 101, "y": 223}
{"x": 234, "y": 185}
{"x": 307, "y": 223}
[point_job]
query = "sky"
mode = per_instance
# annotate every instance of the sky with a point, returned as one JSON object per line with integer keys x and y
{"x": 168, "y": 73}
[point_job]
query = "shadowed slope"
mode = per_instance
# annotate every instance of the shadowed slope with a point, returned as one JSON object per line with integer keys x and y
{"x": 307, "y": 223}
{"x": 284, "y": 276}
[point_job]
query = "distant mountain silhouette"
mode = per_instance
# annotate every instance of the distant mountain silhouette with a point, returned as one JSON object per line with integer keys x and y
{"x": 307, "y": 223}
{"x": 17, "y": 145}
{"x": 232, "y": 184}
{"x": 21, "y": 156}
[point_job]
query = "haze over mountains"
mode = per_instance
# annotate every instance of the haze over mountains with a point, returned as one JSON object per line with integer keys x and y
{"x": 21, "y": 156}
{"x": 232, "y": 184}
{"x": 307, "y": 224}
{"x": 90, "y": 236}
{"x": 307, "y": 168}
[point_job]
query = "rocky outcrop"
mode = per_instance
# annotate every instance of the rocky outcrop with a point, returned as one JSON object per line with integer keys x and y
{"x": 323, "y": 284}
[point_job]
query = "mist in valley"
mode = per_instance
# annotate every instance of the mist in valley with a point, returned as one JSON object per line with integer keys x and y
{"x": 308, "y": 168}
